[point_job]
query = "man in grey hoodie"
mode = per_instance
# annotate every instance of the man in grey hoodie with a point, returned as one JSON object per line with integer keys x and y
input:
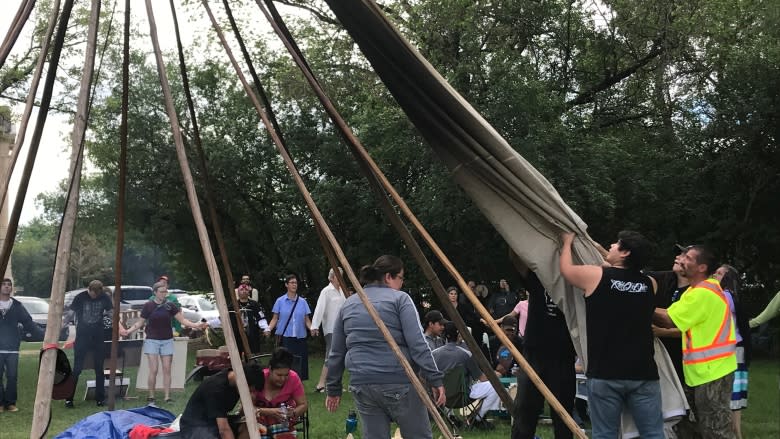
{"x": 379, "y": 385}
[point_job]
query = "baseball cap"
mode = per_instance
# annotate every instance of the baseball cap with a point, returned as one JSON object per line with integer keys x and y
{"x": 434, "y": 316}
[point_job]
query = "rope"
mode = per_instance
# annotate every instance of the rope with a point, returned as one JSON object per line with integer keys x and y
{"x": 317, "y": 216}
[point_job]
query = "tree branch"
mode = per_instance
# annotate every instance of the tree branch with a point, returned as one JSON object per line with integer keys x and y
{"x": 589, "y": 95}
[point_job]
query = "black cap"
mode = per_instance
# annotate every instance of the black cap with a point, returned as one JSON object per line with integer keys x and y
{"x": 434, "y": 316}
{"x": 680, "y": 248}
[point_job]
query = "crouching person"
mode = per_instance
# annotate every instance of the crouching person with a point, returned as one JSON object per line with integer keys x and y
{"x": 206, "y": 414}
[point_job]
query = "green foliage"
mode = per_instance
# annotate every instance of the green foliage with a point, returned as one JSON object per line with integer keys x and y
{"x": 660, "y": 117}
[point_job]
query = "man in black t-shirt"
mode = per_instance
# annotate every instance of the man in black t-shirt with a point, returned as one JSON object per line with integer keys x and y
{"x": 619, "y": 306}
{"x": 206, "y": 414}
{"x": 503, "y": 301}
{"x": 88, "y": 309}
{"x": 671, "y": 285}
{"x": 252, "y": 317}
{"x": 548, "y": 349}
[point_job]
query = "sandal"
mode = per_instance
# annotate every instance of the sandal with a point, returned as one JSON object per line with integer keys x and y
{"x": 168, "y": 400}
{"x": 150, "y": 400}
{"x": 319, "y": 389}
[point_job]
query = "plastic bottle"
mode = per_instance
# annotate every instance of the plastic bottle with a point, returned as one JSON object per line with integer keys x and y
{"x": 351, "y": 422}
{"x": 283, "y": 409}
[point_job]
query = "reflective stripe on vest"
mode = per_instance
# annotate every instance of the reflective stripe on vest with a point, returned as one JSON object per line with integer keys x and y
{"x": 720, "y": 346}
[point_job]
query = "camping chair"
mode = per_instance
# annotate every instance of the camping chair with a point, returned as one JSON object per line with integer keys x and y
{"x": 301, "y": 425}
{"x": 459, "y": 409}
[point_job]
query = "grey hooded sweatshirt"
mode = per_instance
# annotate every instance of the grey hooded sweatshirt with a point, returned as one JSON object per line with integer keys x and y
{"x": 359, "y": 346}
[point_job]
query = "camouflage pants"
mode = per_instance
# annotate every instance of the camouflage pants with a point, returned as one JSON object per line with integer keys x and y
{"x": 710, "y": 405}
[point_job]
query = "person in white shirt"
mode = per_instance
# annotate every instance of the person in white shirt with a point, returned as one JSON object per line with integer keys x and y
{"x": 325, "y": 313}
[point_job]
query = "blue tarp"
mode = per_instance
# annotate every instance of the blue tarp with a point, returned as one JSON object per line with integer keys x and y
{"x": 116, "y": 424}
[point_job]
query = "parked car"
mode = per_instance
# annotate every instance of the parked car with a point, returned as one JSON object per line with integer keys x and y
{"x": 39, "y": 311}
{"x": 134, "y": 295}
{"x": 196, "y": 308}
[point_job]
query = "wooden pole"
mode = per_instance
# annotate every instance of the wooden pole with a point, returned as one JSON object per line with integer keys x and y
{"x": 329, "y": 253}
{"x": 42, "y": 409}
{"x": 317, "y": 216}
{"x": 120, "y": 209}
{"x": 235, "y": 358}
{"x": 206, "y": 184}
{"x": 358, "y": 149}
{"x": 376, "y": 185}
{"x": 5, "y": 180}
{"x": 22, "y": 14}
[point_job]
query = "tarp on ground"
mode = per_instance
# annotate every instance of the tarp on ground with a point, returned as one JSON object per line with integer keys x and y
{"x": 116, "y": 424}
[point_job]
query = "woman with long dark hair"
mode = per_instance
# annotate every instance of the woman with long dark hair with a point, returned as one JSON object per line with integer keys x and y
{"x": 728, "y": 277}
{"x": 379, "y": 385}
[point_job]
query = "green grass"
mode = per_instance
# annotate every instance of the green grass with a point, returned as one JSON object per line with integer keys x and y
{"x": 760, "y": 420}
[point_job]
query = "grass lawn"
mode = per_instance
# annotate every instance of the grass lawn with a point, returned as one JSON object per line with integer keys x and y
{"x": 760, "y": 420}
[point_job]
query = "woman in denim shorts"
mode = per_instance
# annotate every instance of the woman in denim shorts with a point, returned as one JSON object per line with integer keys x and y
{"x": 156, "y": 315}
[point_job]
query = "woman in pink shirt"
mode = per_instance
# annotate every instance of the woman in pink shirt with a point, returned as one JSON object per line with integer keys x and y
{"x": 282, "y": 386}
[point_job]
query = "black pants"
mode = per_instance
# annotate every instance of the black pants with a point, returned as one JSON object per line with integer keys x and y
{"x": 556, "y": 369}
{"x": 90, "y": 340}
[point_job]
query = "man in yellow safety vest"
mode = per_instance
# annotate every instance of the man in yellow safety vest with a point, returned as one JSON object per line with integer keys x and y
{"x": 704, "y": 317}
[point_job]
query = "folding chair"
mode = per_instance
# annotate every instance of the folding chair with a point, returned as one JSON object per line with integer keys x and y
{"x": 302, "y": 425}
{"x": 459, "y": 409}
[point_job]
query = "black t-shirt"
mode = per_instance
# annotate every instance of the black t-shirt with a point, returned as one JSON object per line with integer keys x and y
{"x": 502, "y": 303}
{"x": 545, "y": 328}
{"x": 619, "y": 319}
{"x": 89, "y": 312}
{"x": 668, "y": 292}
{"x": 251, "y": 313}
{"x": 213, "y": 399}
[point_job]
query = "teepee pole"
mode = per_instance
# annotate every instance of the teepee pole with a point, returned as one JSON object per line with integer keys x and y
{"x": 42, "y": 410}
{"x": 363, "y": 156}
{"x": 329, "y": 253}
{"x": 317, "y": 216}
{"x": 22, "y": 14}
{"x": 207, "y": 185}
{"x": 120, "y": 205}
{"x": 208, "y": 255}
{"x": 5, "y": 179}
{"x": 381, "y": 187}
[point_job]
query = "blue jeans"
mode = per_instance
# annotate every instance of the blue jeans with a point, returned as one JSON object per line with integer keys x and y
{"x": 608, "y": 398}
{"x": 380, "y": 404}
{"x": 9, "y": 365}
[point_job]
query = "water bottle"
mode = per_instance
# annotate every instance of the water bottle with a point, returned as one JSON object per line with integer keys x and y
{"x": 351, "y": 422}
{"x": 283, "y": 409}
